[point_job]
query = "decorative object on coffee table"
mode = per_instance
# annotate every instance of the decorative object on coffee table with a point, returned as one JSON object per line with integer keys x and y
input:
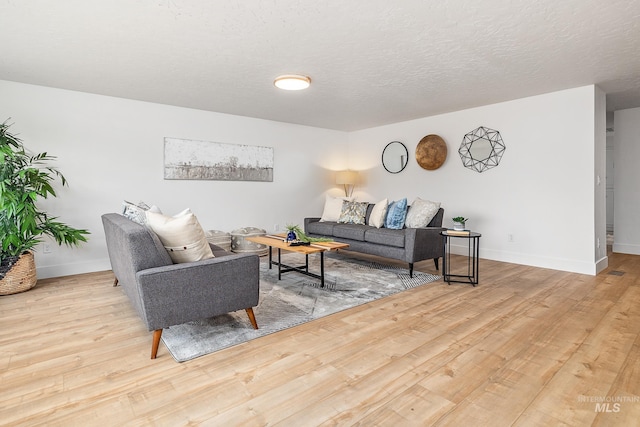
{"x": 300, "y": 235}
{"x": 431, "y": 152}
{"x": 219, "y": 238}
{"x": 240, "y": 244}
{"x": 481, "y": 149}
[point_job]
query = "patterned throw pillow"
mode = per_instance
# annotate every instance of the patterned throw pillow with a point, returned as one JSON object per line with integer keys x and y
{"x": 138, "y": 213}
{"x": 421, "y": 213}
{"x": 396, "y": 214}
{"x": 353, "y": 212}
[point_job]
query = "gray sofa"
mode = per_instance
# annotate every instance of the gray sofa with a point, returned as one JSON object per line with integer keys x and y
{"x": 407, "y": 244}
{"x": 166, "y": 294}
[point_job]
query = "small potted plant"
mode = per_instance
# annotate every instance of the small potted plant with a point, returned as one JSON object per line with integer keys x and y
{"x": 24, "y": 179}
{"x": 295, "y": 233}
{"x": 459, "y": 223}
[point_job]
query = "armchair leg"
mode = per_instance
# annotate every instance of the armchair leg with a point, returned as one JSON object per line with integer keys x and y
{"x": 115, "y": 282}
{"x": 156, "y": 342}
{"x": 411, "y": 269}
{"x": 252, "y": 317}
{"x": 435, "y": 261}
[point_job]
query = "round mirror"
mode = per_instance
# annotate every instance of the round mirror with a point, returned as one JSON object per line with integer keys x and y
{"x": 395, "y": 157}
{"x": 480, "y": 150}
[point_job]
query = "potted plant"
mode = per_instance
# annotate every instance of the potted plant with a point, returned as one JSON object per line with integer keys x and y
{"x": 24, "y": 179}
{"x": 459, "y": 223}
{"x": 296, "y": 233}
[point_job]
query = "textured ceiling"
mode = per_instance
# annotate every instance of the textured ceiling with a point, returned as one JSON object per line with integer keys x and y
{"x": 372, "y": 62}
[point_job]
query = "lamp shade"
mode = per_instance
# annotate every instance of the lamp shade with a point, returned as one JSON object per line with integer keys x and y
{"x": 347, "y": 177}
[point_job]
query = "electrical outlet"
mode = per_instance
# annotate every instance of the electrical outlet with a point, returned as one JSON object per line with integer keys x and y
{"x": 46, "y": 248}
{"x": 510, "y": 238}
{"x": 276, "y": 227}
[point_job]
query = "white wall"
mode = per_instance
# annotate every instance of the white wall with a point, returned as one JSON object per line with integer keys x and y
{"x": 600, "y": 183}
{"x": 542, "y": 193}
{"x": 626, "y": 138}
{"x": 111, "y": 149}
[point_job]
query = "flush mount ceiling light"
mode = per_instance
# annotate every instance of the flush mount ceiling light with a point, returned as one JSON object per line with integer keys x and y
{"x": 292, "y": 82}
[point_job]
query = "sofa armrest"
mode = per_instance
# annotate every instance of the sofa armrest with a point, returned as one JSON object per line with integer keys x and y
{"x": 180, "y": 293}
{"x": 307, "y": 221}
{"x": 424, "y": 243}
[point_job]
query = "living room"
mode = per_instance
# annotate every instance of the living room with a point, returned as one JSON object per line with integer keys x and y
{"x": 542, "y": 207}
{"x": 108, "y": 157}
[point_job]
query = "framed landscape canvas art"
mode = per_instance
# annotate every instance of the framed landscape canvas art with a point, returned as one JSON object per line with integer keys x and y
{"x": 204, "y": 160}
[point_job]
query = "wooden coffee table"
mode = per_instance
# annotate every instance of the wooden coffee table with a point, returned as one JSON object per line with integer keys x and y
{"x": 278, "y": 241}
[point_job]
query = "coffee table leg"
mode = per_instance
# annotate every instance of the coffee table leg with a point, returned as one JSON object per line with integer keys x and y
{"x": 279, "y": 265}
{"x": 322, "y": 269}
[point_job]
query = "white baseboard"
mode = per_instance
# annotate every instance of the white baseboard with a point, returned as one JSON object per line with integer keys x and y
{"x": 573, "y": 266}
{"x": 71, "y": 269}
{"x": 622, "y": 248}
{"x": 602, "y": 264}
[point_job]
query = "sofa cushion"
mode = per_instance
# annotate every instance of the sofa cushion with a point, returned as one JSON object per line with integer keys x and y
{"x": 421, "y": 213}
{"x": 350, "y": 231}
{"x": 378, "y": 213}
{"x": 385, "y": 236}
{"x": 333, "y": 208}
{"x": 182, "y": 236}
{"x": 353, "y": 212}
{"x": 396, "y": 214}
{"x": 321, "y": 228}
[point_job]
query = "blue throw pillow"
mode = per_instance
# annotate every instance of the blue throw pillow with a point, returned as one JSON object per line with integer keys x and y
{"x": 396, "y": 214}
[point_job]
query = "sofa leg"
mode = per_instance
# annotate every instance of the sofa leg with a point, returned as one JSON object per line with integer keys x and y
{"x": 156, "y": 342}
{"x": 435, "y": 261}
{"x": 252, "y": 317}
{"x": 411, "y": 269}
{"x": 115, "y": 282}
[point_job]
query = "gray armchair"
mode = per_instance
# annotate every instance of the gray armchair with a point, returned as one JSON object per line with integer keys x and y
{"x": 166, "y": 294}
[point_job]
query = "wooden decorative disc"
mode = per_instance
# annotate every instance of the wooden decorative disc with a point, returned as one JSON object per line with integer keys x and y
{"x": 431, "y": 152}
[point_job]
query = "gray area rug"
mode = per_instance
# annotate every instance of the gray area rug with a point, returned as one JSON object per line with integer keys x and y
{"x": 294, "y": 300}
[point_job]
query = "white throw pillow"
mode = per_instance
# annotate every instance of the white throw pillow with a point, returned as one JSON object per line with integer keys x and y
{"x": 421, "y": 213}
{"x": 181, "y": 235}
{"x": 379, "y": 213}
{"x": 333, "y": 208}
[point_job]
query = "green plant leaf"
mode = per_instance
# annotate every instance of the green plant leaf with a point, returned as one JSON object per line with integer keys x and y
{"x": 25, "y": 179}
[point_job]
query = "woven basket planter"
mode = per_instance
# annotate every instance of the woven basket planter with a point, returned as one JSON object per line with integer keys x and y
{"x": 21, "y": 277}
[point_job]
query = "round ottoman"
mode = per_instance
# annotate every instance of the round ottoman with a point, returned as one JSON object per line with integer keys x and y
{"x": 219, "y": 238}
{"x": 239, "y": 243}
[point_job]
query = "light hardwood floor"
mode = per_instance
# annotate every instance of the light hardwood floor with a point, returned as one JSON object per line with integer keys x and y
{"x": 527, "y": 347}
